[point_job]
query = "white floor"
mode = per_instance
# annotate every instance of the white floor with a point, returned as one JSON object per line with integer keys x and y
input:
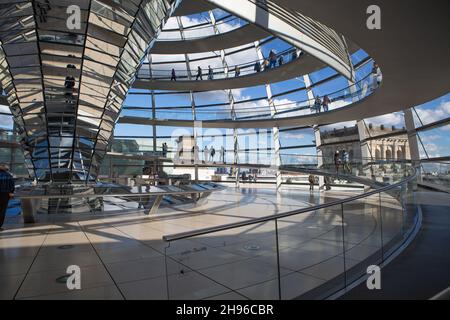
{"x": 124, "y": 256}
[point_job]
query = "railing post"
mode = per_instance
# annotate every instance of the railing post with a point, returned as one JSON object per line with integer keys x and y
{"x": 343, "y": 244}
{"x": 278, "y": 259}
{"x": 381, "y": 227}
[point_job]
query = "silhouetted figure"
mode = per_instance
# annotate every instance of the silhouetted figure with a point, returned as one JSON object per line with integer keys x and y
{"x": 173, "y": 76}
{"x": 164, "y": 149}
{"x": 257, "y": 67}
{"x": 376, "y": 76}
{"x": 311, "y": 180}
{"x": 222, "y": 154}
{"x": 6, "y": 191}
{"x": 70, "y": 82}
{"x": 210, "y": 73}
{"x": 213, "y": 153}
{"x": 199, "y": 74}
{"x": 294, "y": 55}
{"x": 237, "y": 71}
{"x": 272, "y": 59}
{"x": 317, "y": 104}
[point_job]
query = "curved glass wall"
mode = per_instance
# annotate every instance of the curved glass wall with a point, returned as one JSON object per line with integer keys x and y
{"x": 252, "y": 102}
{"x": 432, "y": 124}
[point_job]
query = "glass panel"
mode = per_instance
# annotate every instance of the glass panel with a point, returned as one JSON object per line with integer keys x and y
{"x": 362, "y": 236}
{"x": 311, "y": 254}
{"x": 436, "y": 173}
{"x": 392, "y": 220}
{"x": 240, "y": 262}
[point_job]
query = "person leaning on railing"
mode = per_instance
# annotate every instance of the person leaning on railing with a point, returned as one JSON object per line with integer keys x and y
{"x": 6, "y": 191}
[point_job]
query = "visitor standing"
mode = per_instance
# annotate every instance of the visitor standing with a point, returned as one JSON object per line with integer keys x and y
{"x": 213, "y": 153}
{"x": 312, "y": 180}
{"x": 173, "y": 76}
{"x": 317, "y": 104}
{"x": 257, "y": 67}
{"x": 237, "y": 71}
{"x": 337, "y": 161}
{"x": 222, "y": 154}
{"x": 272, "y": 59}
{"x": 325, "y": 102}
{"x": 210, "y": 73}
{"x": 376, "y": 76}
{"x": 205, "y": 154}
{"x": 164, "y": 149}
{"x": 6, "y": 191}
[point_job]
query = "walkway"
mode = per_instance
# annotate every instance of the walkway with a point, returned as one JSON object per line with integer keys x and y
{"x": 234, "y": 38}
{"x": 123, "y": 256}
{"x": 301, "y": 65}
{"x": 423, "y": 269}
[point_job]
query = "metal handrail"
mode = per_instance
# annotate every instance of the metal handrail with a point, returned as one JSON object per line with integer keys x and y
{"x": 283, "y": 105}
{"x": 164, "y": 35}
{"x": 100, "y": 195}
{"x": 189, "y": 234}
{"x": 218, "y": 70}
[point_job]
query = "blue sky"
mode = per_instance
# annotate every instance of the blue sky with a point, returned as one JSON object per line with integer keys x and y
{"x": 436, "y": 141}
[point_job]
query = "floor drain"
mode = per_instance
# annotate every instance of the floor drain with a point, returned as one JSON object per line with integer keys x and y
{"x": 67, "y": 246}
{"x": 63, "y": 279}
{"x": 251, "y": 247}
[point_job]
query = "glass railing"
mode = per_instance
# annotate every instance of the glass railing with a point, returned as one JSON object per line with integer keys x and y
{"x": 339, "y": 99}
{"x": 109, "y": 196}
{"x": 203, "y": 30}
{"x": 238, "y": 70}
{"x": 309, "y": 253}
{"x": 436, "y": 173}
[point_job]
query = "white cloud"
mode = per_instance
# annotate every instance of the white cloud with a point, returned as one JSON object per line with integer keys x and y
{"x": 442, "y": 111}
{"x": 390, "y": 119}
{"x": 288, "y": 135}
{"x": 432, "y": 137}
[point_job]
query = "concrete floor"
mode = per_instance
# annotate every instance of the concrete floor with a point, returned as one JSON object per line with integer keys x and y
{"x": 124, "y": 257}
